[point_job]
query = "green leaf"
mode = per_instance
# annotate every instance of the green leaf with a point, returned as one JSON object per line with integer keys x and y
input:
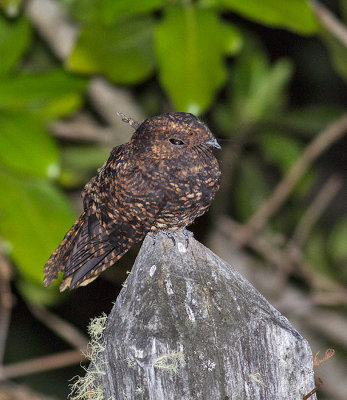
{"x": 250, "y": 190}
{"x": 50, "y": 95}
{"x": 79, "y": 163}
{"x": 190, "y": 46}
{"x": 108, "y": 11}
{"x": 258, "y": 88}
{"x": 122, "y": 51}
{"x": 295, "y": 15}
{"x": 307, "y": 121}
{"x": 338, "y": 53}
{"x": 343, "y": 8}
{"x": 283, "y": 151}
{"x": 15, "y": 37}
{"x": 115, "y": 9}
{"x": 26, "y": 147}
{"x": 11, "y": 7}
{"x": 280, "y": 150}
{"x": 36, "y": 294}
{"x": 316, "y": 253}
{"x": 337, "y": 244}
{"x": 34, "y": 217}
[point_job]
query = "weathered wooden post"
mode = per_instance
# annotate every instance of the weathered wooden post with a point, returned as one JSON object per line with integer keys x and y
{"x": 188, "y": 326}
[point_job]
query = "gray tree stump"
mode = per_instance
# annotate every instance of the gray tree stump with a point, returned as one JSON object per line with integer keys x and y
{"x": 188, "y": 326}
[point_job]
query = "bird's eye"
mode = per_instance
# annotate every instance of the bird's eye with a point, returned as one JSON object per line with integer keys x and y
{"x": 176, "y": 142}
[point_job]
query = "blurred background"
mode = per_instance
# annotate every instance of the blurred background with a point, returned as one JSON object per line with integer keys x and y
{"x": 268, "y": 77}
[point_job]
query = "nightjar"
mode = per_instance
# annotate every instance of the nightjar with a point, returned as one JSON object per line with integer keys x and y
{"x": 162, "y": 179}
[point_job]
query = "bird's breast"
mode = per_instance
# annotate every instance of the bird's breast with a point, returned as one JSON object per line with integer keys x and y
{"x": 189, "y": 191}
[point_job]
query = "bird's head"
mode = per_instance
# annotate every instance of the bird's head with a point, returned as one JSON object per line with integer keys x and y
{"x": 171, "y": 135}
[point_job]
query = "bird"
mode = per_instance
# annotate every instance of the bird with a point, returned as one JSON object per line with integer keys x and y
{"x": 161, "y": 180}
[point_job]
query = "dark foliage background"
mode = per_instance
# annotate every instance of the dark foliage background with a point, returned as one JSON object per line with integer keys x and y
{"x": 270, "y": 80}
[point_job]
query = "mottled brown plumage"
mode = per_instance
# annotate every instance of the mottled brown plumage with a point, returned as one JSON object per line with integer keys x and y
{"x": 162, "y": 179}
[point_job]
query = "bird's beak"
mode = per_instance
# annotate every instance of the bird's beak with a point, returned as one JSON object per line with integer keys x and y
{"x": 214, "y": 143}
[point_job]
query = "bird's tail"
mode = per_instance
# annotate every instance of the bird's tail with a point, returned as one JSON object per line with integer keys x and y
{"x": 61, "y": 254}
{"x": 85, "y": 252}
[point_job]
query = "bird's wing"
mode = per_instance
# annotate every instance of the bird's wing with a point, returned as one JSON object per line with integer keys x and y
{"x": 125, "y": 196}
{"x": 92, "y": 254}
{"x": 120, "y": 207}
{"x": 58, "y": 259}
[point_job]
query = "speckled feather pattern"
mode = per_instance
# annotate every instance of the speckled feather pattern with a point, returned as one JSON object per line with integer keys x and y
{"x": 163, "y": 178}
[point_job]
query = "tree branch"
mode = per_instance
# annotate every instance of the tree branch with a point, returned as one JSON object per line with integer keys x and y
{"x": 329, "y": 21}
{"x": 41, "y": 364}
{"x": 326, "y": 194}
{"x": 60, "y": 327}
{"x": 280, "y": 194}
{"x": 6, "y": 301}
{"x": 55, "y": 28}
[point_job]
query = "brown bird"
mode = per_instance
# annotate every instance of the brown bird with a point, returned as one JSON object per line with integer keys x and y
{"x": 162, "y": 179}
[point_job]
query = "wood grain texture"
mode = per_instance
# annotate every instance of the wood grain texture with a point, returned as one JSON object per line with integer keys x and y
{"x": 188, "y": 326}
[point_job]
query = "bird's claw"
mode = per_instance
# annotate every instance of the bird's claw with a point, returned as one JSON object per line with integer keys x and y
{"x": 154, "y": 238}
{"x": 187, "y": 234}
{"x": 168, "y": 233}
